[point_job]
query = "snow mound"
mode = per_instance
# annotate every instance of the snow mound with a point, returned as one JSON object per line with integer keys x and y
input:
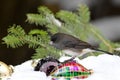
{"x": 105, "y": 67}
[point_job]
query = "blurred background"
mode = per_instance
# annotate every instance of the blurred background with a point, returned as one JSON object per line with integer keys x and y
{"x": 105, "y": 14}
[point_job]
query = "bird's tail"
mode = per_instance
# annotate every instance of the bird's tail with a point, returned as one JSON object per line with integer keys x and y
{"x": 103, "y": 51}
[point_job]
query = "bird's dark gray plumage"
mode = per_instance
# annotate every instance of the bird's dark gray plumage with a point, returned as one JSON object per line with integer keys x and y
{"x": 67, "y": 42}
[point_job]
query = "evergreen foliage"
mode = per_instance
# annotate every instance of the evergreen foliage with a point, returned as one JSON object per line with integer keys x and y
{"x": 73, "y": 23}
{"x": 36, "y": 39}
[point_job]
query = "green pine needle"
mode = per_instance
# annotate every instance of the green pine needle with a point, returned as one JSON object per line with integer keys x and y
{"x": 73, "y": 23}
{"x": 84, "y": 13}
{"x": 37, "y": 19}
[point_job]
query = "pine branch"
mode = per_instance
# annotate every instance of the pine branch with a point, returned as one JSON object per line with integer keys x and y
{"x": 43, "y": 52}
{"x": 37, "y": 19}
{"x": 46, "y": 17}
{"x": 73, "y": 23}
{"x": 105, "y": 44}
{"x": 15, "y": 29}
{"x": 77, "y": 23}
{"x": 84, "y": 13}
{"x": 15, "y": 36}
{"x": 12, "y": 41}
{"x": 44, "y": 10}
{"x": 36, "y": 39}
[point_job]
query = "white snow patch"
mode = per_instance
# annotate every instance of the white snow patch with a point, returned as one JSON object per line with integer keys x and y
{"x": 105, "y": 67}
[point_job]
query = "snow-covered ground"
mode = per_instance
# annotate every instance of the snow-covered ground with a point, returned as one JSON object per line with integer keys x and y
{"x": 106, "y": 67}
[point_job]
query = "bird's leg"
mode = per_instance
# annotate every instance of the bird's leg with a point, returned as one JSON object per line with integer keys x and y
{"x": 71, "y": 59}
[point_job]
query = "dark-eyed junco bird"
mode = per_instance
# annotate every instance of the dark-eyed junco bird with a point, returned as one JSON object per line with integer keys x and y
{"x": 72, "y": 45}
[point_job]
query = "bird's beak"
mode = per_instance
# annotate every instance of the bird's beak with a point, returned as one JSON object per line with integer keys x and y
{"x": 51, "y": 43}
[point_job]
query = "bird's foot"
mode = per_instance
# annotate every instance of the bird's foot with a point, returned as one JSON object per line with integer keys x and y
{"x": 71, "y": 59}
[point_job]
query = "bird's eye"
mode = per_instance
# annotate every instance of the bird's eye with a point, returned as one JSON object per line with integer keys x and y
{"x": 54, "y": 38}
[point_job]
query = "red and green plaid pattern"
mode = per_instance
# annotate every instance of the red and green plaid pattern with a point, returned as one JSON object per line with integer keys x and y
{"x": 70, "y": 70}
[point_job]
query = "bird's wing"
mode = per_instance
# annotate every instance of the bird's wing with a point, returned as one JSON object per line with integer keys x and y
{"x": 77, "y": 45}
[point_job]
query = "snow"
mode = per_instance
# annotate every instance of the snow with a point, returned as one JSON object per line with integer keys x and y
{"x": 105, "y": 67}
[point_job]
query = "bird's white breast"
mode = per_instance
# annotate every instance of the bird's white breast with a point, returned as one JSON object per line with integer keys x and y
{"x": 70, "y": 52}
{"x": 80, "y": 53}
